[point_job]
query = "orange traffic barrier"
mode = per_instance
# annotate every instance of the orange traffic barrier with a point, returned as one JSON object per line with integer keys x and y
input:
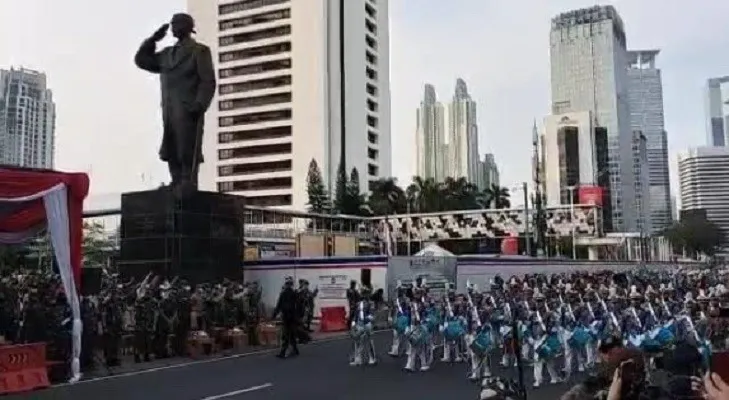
{"x": 333, "y": 319}
{"x": 23, "y": 368}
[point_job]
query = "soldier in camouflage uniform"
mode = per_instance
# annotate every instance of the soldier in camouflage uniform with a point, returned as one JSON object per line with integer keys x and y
{"x": 145, "y": 317}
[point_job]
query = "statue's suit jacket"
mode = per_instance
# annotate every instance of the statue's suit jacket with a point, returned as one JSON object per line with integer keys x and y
{"x": 187, "y": 77}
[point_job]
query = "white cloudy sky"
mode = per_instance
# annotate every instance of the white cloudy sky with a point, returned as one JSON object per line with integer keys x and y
{"x": 108, "y": 122}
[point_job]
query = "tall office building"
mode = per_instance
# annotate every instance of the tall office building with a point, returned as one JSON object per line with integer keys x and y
{"x": 645, "y": 95}
{"x": 462, "y": 126}
{"x": 489, "y": 172}
{"x": 574, "y": 151}
{"x": 431, "y": 139}
{"x": 703, "y": 185}
{"x": 297, "y": 80}
{"x": 717, "y": 110}
{"x": 447, "y": 137}
{"x": 641, "y": 175}
{"x": 588, "y": 73}
{"x": 27, "y": 119}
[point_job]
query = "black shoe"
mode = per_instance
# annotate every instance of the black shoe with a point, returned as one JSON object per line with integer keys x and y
{"x": 295, "y": 354}
{"x": 281, "y": 355}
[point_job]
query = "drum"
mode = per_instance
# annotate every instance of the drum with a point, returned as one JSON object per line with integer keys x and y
{"x": 665, "y": 337}
{"x": 432, "y": 321}
{"x": 453, "y": 331}
{"x": 580, "y": 337}
{"x": 401, "y": 323}
{"x": 418, "y": 335}
{"x": 550, "y": 348}
{"x": 481, "y": 343}
{"x": 357, "y": 331}
{"x": 651, "y": 346}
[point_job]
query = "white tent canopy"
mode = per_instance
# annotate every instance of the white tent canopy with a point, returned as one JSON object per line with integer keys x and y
{"x": 433, "y": 250}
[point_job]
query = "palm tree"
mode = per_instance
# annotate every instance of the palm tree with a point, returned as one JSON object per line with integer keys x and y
{"x": 424, "y": 195}
{"x": 386, "y": 197}
{"x": 496, "y": 197}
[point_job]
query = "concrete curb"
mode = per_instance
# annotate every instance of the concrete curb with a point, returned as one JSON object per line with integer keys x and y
{"x": 182, "y": 362}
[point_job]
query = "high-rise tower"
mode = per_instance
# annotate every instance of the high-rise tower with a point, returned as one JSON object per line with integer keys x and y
{"x": 297, "y": 80}
{"x": 588, "y": 74}
{"x": 27, "y": 119}
{"x": 645, "y": 95}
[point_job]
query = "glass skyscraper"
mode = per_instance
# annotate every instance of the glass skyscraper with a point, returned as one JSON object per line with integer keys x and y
{"x": 717, "y": 109}
{"x": 588, "y": 58}
{"x": 646, "y": 116}
{"x": 27, "y": 119}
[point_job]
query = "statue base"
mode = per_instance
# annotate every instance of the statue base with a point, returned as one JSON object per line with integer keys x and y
{"x": 197, "y": 237}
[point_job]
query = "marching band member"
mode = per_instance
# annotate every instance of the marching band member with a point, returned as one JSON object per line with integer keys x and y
{"x": 417, "y": 334}
{"x": 575, "y": 338}
{"x": 478, "y": 339}
{"x": 400, "y": 322}
{"x": 453, "y": 330}
{"x": 361, "y": 331}
{"x": 546, "y": 343}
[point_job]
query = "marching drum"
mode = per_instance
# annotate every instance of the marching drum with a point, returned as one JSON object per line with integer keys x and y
{"x": 401, "y": 324}
{"x": 454, "y": 330}
{"x": 481, "y": 343}
{"x": 550, "y": 348}
{"x": 580, "y": 337}
{"x": 418, "y": 336}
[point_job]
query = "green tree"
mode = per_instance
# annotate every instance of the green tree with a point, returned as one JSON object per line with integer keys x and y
{"x": 386, "y": 197}
{"x": 340, "y": 190}
{"x": 356, "y": 201}
{"x": 318, "y": 197}
{"x": 97, "y": 245}
{"x": 695, "y": 235}
{"x": 496, "y": 197}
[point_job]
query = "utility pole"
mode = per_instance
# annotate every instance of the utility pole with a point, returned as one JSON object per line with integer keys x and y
{"x": 527, "y": 229}
{"x": 540, "y": 223}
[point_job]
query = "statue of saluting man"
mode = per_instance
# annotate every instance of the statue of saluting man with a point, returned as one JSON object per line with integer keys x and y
{"x": 188, "y": 85}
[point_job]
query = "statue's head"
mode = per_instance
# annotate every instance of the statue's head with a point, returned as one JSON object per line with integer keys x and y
{"x": 182, "y": 25}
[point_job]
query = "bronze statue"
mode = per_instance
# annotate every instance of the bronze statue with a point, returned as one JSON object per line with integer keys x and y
{"x": 188, "y": 85}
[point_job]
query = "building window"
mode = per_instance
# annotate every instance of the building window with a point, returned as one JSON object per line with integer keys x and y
{"x": 256, "y": 68}
{"x": 371, "y": 27}
{"x": 256, "y": 19}
{"x": 255, "y": 101}
{"x": 372, "y": 121}
{"x": 258, "y": 84}
{"x": 255, "y": 134}
{"x": 255, "y": 35}
{"x": 371, "y": 73}
{"x": 373, "y": 170}
{"x": 269, "y": 201}
{"x": 371, "y": 89}
{"x": 253, "y": 52}
{"x": 371, "y": 42}
{"x": 255, "y": 168}
{"x": 246, "y": 5}
{"x": 371, "y": 105}
{"x": 372, "y": 137}
{"x": 254, "y": 118}
{"x": 371, "y": 58}
{"x": 255, "y": 185}
{"x": 255, "y": 151}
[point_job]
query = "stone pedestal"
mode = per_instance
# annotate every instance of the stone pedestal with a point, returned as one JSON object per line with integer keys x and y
{"x": 198, "y": 237}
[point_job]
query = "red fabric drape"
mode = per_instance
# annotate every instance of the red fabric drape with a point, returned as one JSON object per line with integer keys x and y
{"x": 15, "y": 183}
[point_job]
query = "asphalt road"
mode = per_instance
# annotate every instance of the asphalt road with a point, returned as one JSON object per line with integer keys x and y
{"x": 320, "y": 373}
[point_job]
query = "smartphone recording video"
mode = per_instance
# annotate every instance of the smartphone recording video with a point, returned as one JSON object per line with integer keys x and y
{"x": 720, "y": 364}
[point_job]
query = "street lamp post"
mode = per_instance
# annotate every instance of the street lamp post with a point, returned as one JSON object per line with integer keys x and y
{"x": 571, "y": 190}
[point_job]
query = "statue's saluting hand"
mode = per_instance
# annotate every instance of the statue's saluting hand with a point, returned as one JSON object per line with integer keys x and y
{"x": 160, "y": 33}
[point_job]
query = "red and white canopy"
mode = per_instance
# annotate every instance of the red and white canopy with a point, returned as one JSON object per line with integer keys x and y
{"x": 33, "y": 200}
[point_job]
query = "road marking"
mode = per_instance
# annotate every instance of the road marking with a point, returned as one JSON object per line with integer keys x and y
{"x": 237, "y": 392}
{"x": 199, "y": 362}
